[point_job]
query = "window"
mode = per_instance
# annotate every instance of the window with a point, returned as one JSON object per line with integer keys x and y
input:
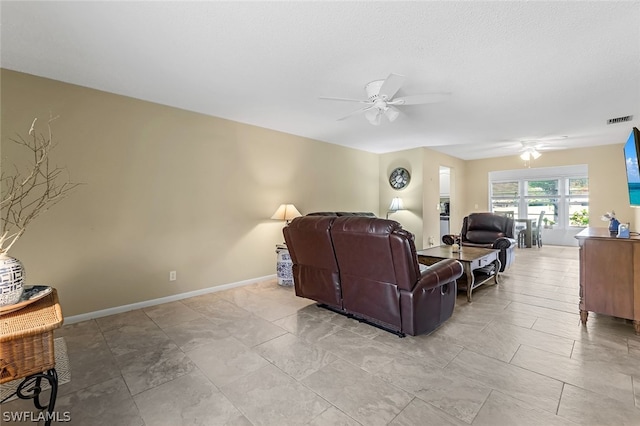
{"x": 542, "y": 196}
{"x": 506, "y": 196}
{"x": 578, "y": 201}
{"x": 561, "y": 192}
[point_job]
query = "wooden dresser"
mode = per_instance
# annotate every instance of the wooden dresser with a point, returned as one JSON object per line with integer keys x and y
{"x": 609, "y": 275}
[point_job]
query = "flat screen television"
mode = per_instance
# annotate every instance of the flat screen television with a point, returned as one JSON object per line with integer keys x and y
{"x": 631, "y": 153}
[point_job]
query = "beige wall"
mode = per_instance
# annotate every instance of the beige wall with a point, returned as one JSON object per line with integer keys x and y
{"x": 607, "y": 179}
{"x": 166, "y": 189}
{"x": 412, "y": 194}
{"x": 422, "y": 196}
{"x": 469, "y": 185}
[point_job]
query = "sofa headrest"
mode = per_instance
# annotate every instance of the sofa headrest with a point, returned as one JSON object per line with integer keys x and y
{"x": 366, "y": 214}
{"x": 365, "y": 224}
{"x": 483, "y": 237}
{"x": 317, "y": 223}
{"x": 488, "y": 222}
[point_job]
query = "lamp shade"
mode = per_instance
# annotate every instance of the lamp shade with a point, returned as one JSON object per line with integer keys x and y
{"x": 286, "y": 212}
{"x": 374, "y": 116}
{"x": 396, "y": 204}
{"x": 392, "y": 113}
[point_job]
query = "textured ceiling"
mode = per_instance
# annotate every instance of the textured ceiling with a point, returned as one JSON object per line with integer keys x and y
{"x": 516, "y": 70}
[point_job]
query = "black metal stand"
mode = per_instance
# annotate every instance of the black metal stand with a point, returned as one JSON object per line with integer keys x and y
{"x": 359, "y": 319}
{"x": 31, "y": 388}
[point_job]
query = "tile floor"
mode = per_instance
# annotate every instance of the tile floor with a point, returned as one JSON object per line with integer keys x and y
{"x": 258, "y": 355}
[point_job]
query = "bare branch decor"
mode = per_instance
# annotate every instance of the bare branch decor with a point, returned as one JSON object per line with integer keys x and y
{"x": 28, "y": 192}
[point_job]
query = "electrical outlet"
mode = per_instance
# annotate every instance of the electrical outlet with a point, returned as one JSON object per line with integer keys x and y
{"x": 172, "y": 275}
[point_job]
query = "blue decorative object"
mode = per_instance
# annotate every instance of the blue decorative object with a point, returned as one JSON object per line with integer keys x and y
{"x": 613, "y": 225}
{"x": 623, "y": 231}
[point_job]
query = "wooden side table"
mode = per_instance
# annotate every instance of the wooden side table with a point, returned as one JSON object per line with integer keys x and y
{"x": 26, "y": 350}
{"x": 480, "y": 264}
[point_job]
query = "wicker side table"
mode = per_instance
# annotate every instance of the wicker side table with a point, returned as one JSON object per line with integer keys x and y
{"x": 26, "y": 349}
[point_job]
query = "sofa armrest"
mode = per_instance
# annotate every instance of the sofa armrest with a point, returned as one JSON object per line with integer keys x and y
{"x": 439, "y": 274}
{"x": 504, "y": 243}
{"x": 449, "y": 239}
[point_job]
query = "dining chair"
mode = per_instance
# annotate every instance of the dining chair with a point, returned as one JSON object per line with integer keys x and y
{"x": 506, "y": 213}
{"x": 520, "y": 232}
{"x": 536, "y": 230}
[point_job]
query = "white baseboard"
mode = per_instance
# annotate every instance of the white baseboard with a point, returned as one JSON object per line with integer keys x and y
{"x": 153, "y": 302}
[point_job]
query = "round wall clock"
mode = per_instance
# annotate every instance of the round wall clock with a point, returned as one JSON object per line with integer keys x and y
{"x": 399, "y": 178}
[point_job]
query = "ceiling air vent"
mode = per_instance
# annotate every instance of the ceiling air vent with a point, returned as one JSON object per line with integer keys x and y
{"x": 620, "y": 119}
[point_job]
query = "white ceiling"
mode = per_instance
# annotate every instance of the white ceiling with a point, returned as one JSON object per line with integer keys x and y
{"x": 515, "y": 70}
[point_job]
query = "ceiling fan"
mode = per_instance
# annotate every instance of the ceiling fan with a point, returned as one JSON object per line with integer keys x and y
{"x": 531, "y": 148}
{"x": 380, "y": 99}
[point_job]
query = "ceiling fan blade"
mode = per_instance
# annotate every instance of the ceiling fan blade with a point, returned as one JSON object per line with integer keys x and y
{"x": 541, "y": 142}
{"x": 427, "y": 98}
{"x": 551, "y": 148}
{"x": 391, "y": 86}
{"x": 345, "y": 100}
{"x": 551, "y": 138}
{"x": 356, "y": 112}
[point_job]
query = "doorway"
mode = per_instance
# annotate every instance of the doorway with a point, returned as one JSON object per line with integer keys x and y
{"x": 445, "y": 201}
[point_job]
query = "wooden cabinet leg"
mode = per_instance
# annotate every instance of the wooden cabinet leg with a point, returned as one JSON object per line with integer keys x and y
{"x": 583, "y": 317}
{"x": 636, "y": 325}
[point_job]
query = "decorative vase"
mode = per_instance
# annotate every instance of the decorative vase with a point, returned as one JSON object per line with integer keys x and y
{"x": 613, "y": 226}
{"x": 284, "y": 266}
{"x": 11, "y": 280}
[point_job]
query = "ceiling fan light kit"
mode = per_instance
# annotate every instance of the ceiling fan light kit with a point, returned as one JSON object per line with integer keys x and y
{"x": 380, "y": 99}
{"x": 392, "y": 113}
{"x": 531, "y": 148}
{"x": 530, "y": 153}
{"x": 374, "y": 115}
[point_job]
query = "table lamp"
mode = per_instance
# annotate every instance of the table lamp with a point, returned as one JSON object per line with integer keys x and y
{"x": 286, "y": 212}
{"x": 396, "y": 204}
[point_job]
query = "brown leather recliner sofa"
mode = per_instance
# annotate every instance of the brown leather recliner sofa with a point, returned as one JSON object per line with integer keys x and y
{"x": 488, "y": 230}
{"x": 367, "y": 268}
{"x": 367, "y": 214}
